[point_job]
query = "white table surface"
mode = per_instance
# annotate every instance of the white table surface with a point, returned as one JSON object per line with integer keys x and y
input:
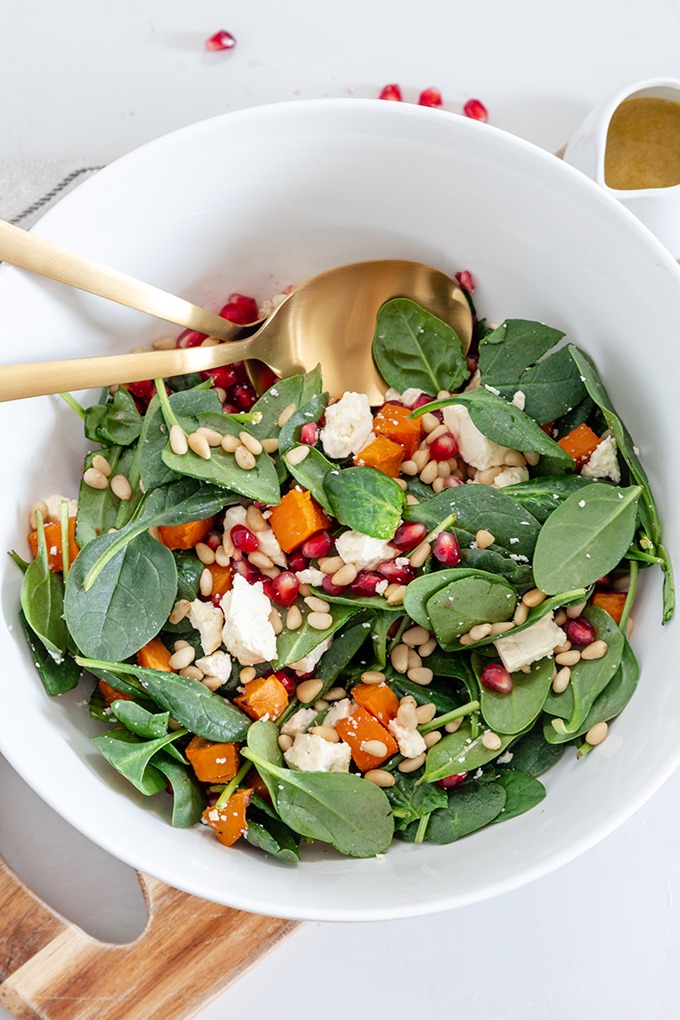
{"x": 601, "y": 936}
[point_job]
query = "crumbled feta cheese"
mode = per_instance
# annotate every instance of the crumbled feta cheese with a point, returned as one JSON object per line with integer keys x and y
{"x": 362, "y": 550}
{"x": 408, "y": 397}
{"x": 475, "y": 448}
{"x": 603, "y": 462}
{"x": 411, "y": 742}
{"x": 269, "y": 545}
{"x": 505, "y": 758}
{"x": 247, "y": 632}
{"x": 234, "y": 515}
{"x": 338, "y": 710}
{"x": 311, "y": 753}
{"x": 311, "y": 576}
{"x": 53, "y": 504}
{"x": 218, "y": 665}
{"x": 208, "y": 620}
{"x": 531, "y": 644}
{"x": 492, "y": 389}
{"x": 349, "y": 423}
{"x": 307, "y": 664}
{"x": 519, "y": 400}
{"x": 511, "y": 476}
{"x": 299, "y": 721}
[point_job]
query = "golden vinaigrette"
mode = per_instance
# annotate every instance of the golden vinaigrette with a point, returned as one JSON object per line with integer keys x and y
{"x": 643, "y": 145}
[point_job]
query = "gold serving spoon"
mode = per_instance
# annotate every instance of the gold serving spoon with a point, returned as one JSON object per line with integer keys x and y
{"x": 330, "y": 319}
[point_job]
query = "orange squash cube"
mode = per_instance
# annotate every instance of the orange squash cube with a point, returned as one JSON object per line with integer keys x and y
{"x": 110, "y": 694}
{"x": 611, "y": 601}
{"x": 580, "y": 443}
{"x": 265, "y": 697}
{"x": 229, "y": 822}
{"x": 222, "y": 578}
{"x": 394, "y": 421}
{"x": 185, "y": 536}
{"x": 357, "y": 730}
{"x": 378, "y": 699}
{"x": 383, "y": 455}
{"x": 296, "y": 518}
{"x": 53, "y": 542}
{"x": 213, "y": 762}
{"x": 154, "y": 655}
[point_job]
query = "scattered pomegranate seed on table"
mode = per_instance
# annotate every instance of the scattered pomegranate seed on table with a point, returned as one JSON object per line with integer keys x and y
{"x": 391, "y": 92}
{"x": 476, "y": 110}
{"x": 220, "y": 41}
{"x": 430, "y": 97}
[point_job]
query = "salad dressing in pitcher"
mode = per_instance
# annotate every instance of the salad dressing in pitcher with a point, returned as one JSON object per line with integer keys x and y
{"x": 643, "y": 144}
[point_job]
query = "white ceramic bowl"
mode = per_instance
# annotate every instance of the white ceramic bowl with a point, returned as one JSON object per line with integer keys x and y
{"x": 254, "y": 201}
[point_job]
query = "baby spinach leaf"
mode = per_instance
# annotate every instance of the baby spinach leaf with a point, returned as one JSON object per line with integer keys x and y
{"x": 127, "y": 603}
{"x": 585, "y": 537}
{"x": 532, "y": 755}
{"x": 380, "y": 628}
{"x": 115, "y": 423}
{"x": 514, "y": 567}
{"x": 438, "y": 693}
{"x": 460, "y": 752}
{"x": 132, "y": 756}
{"x": 508, "y": 351}
{"x": 522, "y": 793}
{"x": 541, "y": 496}
{"x": 358, "y": 601}
{"x": 139, "y": 721}
{"x": 536, "y": 613}
{"x": 57, "y": 677}
{"x": 410, "y": 799}
{"x": 42, "y": 602}
{"x": 422, "y": 588}
{"x": 188, "y": 701}
{"x": 366, "y": 500}
{"x": 516, "y": 711}
{"x": 181, "y": 501}
{"x": 187, "y": 798}
{"x": 296, "y": 389}
{"x": 289, "y": 436}
{"x": 340, "y": 654}
{"x": 293, "y": 645}
{"x": 189, "y": 570}
{"x": 470, "y": 807}
{"x": 335, "y": 807}
{"x": 311, "y": 473}
{"x": 467, "y": 601}
{"x": 262, "y": 739}
{"x": 100, "y": 510}
{"x": 154, "y": 435}
{"x": 551, "y": 388}
{"x": 270, "y": 834}
{"x": 413, "y": 348}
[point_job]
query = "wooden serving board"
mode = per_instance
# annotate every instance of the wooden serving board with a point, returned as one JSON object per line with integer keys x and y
{"x": 189, "y": 952}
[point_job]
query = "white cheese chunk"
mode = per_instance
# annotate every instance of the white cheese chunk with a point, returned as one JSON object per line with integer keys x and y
{"x": 269, "y": 545}
{"x": 411, "y": 742}
{"x": 234, "y": 515}
{"x": 311, "y": 753}
{"x": 247, "y": 632}
{"x": 531, "y": 644}
{"x": 338, "y": 710}
{"x": 519, "y": 399}
{"x": 299, "y": 721}
{"x": 603, "y": 462}
{"x": 310, "y": 575}
{"x": 475, "y": 448}
{"x": 307, "y": 664}
{"x": 511, "y": 476}
{"x": 218, "y": 665}
{"x": 349, "y": 424}
{"x": 408, "y": 397}
{"x": 53, "y": 504}
{"x": 362, "y": 550}
{"x": 208, "y": 620}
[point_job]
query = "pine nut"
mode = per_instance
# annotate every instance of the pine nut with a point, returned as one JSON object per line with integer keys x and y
{"x": 480, "y": 631}
{"x": 381, "y": 777}
{"x": 230, "y": 444}
{"x": 261, "y": 560}
{"x": 531, "y": 458}
{"x": 514, "y": 458}
{"x": 221, "y": 557}
{"x": 247, "y": 674}
{"x": 432, "y": 738}
{"x": 597, "y": 733}
{"x": 254, "y": 519}
{"x": 564, "y": 647}
{"x": 534, "y": 597}
{"x": 419, "y": 555}
{"x": 443, "y": 395}
{"x": 438, "y": 485}
{"x": 37, "y": 508}
{"x": 251, "y": 443}
{"x": 399, "y": 658}
{"x": 95, "y": 479}
{"x": 491, "y": 741}
{"x": 429, "y": 472}
{"x": 521, "y": 614}
{"x": 276, "y": 621}
{"x": 630, "y": 626}
{"x": 199, "y": 445}
{"x": 560, "y": 617}
{"x": 320, "y": 621}
{"x": 411, "y": 764}
{"x": 205, "y": 554}
{"x": 402, "y": 483}
{"x": 622, "y": 583}
{"x": 427, "y": 648}
{"x": 180, "y": 611}
{"x": 372, "y": 676}
{"x": 345, "y": 575}
{"x": 335, "y": 694}
{"x": 180, "y": 643}
{"x": 426, "y": 713}
{"x": 414, "y": 659}
{"x": 285, "y": 415}
{"x": 409, "y": 467}
{"x": 270, "y": 445}
{"x": 561, "y": 680}
{"x": 407, "y": 715}
{"x": 100, "y": 463}
{"x": 296, "y": 455}
{"x": 488, "y": 475}
{"x": 213, "y": 683}
{"x": 465, "y": 639}
{"x": 331, "y": 564}
{"x": 444, "y": 469}
{"x": 121, "y": 487}
{"x": 271, "y": 572}
{"x": 484, "y": 539}
{"x": 220, "y": 393}
{"x": 396, "y": 596}
{"x": 569, "y": 658}
{"x": 595, "y": 650}
{"x": 164, "y": 343}
{"x": 194, "y": 673}
{"x": 210, "y": 341}
{"x": 321, "y": 705}
{"x": 420, "y": 675}
{"x": 376, "y": 748}
{"x": 420, "y": 458}
{"x": 182, "y": 658}
{"x": 453, "y": 726}
{"x": 415, "y": 636}
{"x": 411, "y": 500}
{"x": 309, "y": 690}
{"x": 293, "y": 618}
{"x": 574, "y": 611}
{"x": 501, "y": 628}
{"x": 205, "y": 583}
{"x": 244, "y": 458}
{"x": 212, "y": 437}
{"x": 328, "y": 733}
{"x": 430, "y": 422}
{"x": 285, "y": 741}
{"x": 436, "y": 433}
{"x": 316, "y": 604}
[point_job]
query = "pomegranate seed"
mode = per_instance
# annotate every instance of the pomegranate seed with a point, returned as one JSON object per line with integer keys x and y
{"x": 224, "y": 376}
{"x": 391, "y": 92}
{"x": 408, "y": 536}
{"x": 268, "y": 587}
{"x": 243, "y": 538}
{"x": 247, "y": 305}
{"x": 452, "y": 481}
{"x": 309, "y": 434}
{"x": 496, "y": 678}
{"x": 446, "y": 549}
{"x": 318, "y": 545}
{"x": 430, "y": 97}
{"x": 285, "y": 588}
{"x": 448, "y": 782}
{"x": 216, "y": 600}
{"x": 330, "y": 588}
{"x": 220, "y": 41}
{"x": 366, "y": 583}
{"x": 190, "y": 338}
{"x": 396, "y": 573}
{"x": 465, "y": 280}
{"x": 144, "y": 389}
{"x": 444, "y": 447}
{"x": 476, "y": 110}
{"x": 244, "y": 396}
{"x": 233, "y": 313}
{"x": 266, "y": 378}
{"x": 579, "y": 631}
{"x": 213, "y": 541}
{"x": 472, "y": 363}
{"x": 423, "y": 399}
{"x": 229, "y": 409}
{"x": 248, "y": 571}
{"x": 287, "y": 681}
{"x": 296, "y": 561}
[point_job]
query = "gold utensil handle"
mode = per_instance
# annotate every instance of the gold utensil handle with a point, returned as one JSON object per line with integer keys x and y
{"x": 27, "y": 251}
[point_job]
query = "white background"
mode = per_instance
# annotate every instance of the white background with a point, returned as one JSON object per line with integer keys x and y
{"x": 92, "y": 81}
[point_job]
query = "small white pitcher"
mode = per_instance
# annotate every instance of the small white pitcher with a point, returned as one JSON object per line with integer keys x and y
{"x": 658, "y": 208}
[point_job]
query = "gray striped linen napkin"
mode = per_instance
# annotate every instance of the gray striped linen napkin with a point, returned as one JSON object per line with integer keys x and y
{"x": 29, "y": 187}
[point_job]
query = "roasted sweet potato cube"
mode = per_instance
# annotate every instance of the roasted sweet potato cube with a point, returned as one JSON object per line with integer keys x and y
{"x": 378, "y": 699}
{"x": 229, "y": 822}
{"x": 611, "y": 601}
{"x": 213, "y": 762}
{"x": 580, "y": 443}
{"x": 53, "y": 542}
{"x": 154, "y": 655}
{"x": 296, "y": 518}
{"x": 360, "y": 729}
{"x": 394, "y": 422}
{"x": 265, "y": 697}
{"x": 383, "y": 455}
{"x": 185, "y": 536}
